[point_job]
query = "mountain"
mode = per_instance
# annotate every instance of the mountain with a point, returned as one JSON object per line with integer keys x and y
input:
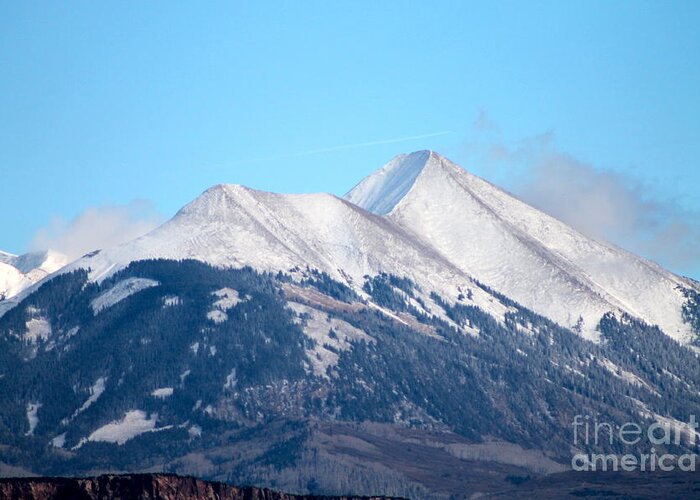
{"x": 12, "y": 281}
{"x": 231, "y": 225}
{"x": 304, "y": 343}
{"x": 437, "y": 224}
{"x": 20, "y": 272}
{"x": 520, "y": 251}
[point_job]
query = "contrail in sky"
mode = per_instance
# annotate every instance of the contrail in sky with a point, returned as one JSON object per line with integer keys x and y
{"x": 354, "y": 146}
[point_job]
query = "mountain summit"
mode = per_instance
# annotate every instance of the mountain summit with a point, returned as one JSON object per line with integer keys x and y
{"x": 18, "y": 272}
{"x": 235, "y": 226}
{"x": 381, "y": 191}
{"x": 519, "y": 250}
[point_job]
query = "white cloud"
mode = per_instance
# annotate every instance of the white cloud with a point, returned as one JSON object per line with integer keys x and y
{"x": 604, "y": 204}
{"x": 97, "y": 227}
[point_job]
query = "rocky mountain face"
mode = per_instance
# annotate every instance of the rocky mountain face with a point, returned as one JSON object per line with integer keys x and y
{"x": 141, "y": 486}
{"x": 304, "y": 343}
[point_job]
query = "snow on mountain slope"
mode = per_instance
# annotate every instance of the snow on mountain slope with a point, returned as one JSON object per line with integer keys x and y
{"x": 12, "y": 281}
{"x": 231, "y": 225}
{"x": 442, "y": 228}
{"x": 380, "y": 192}
{"x": 19, "y": 272}
{"x": 37, "y": 265}
{"x": 6, "y": 257}
{"x": 119, "y": 292}
{"x": 520, "y": 251}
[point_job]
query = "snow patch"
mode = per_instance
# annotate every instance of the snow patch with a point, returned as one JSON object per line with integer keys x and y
{"x": 162, "y": 392}
{"x": 59, "y": 441}
{"x": 228, "y": 298}
{"x": 121, "y": 291}
{"x": 231, "y": 380}
{"x": 217, "y": 316}
{"x": 71, "y": 333}
{"x": 37, "y": 329}
{"x": 134, "y": 423}
{"x": 95, "y": 392}
{"x": 625, "y": 375}
{"x": 387, "y": 312}
{"x": 171, "y": 301}
{"x": 32, "y": 417}
{"x": 330, "y": 335}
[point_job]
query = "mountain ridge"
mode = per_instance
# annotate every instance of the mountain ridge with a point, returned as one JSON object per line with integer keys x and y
{"x": 236, "y": 226}
{"x": 525, "y": 253}
{"x": 422, "y": 216}
{"x": 18, "y": 272}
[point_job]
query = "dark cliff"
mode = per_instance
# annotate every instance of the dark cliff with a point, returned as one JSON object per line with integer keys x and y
{"x": 141, "y": 486}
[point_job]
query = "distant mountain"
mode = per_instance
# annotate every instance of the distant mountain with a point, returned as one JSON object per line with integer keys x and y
{"x": 20, "y": 272}
{"x": 441, "y": 345}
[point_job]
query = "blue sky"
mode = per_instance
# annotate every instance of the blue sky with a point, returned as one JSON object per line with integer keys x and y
{"x": 103, "y": 103}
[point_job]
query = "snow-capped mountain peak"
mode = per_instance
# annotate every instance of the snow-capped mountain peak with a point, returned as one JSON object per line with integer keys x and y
{"x": 423, "y": 217}
{"x": 18, "y": 272}
{"x": 48, "y": 261}
{"x": 232, "y": 225}
{"x": 381, "y": 191}
{"x": 235, "y": 226}
{"x": 519, "y": 250}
